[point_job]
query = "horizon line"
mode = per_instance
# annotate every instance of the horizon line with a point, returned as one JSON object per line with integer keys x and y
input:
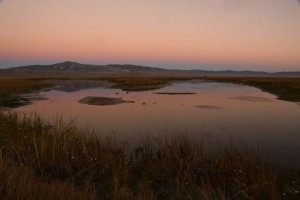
{"x": 143, "y": 65}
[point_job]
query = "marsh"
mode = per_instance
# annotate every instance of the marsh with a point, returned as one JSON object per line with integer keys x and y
{"x": 198, "y": 107}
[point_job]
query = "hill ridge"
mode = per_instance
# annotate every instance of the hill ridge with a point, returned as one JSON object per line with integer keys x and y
{"x": 70, "y": 68}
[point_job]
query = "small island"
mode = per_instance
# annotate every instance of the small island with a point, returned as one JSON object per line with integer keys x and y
{"x": 175, "y": 93}
{"x": 208, "y": 107}
{"x": 103, "y": 101}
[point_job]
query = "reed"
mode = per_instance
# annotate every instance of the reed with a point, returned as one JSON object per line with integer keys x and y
{"x": 58, "y": 161}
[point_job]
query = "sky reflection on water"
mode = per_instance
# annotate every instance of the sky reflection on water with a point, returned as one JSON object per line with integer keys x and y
{"x": 218, "y": 109}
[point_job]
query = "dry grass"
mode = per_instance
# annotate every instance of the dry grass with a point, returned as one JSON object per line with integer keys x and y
{"x": 12, "y": 88}
{"x": 15, "y": 85}
{"x": 287, "y": 89}
{"x": 57, "y": 157}
{"x": 142, "y": 83}
{"x": 21, "y": 182}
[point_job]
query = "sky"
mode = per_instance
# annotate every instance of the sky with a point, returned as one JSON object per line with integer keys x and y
{"x": 260, "y": 35}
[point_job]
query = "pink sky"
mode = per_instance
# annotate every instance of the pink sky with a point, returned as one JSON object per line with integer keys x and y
{"x": 198, "y": 34}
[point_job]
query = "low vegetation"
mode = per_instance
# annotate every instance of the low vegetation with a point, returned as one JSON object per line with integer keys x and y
{"x": 42, "y": 160}
{"x": 138, "y": 83}
{"x": 287, "y": 89}
{"x": 11, "y": 90}
{"x": 144, "y": 83}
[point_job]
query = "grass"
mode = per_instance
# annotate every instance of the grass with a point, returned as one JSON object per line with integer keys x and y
{"x": 141, "y": 83}
{"x": 287, "y": 89}
{"x": 19, "y": 85}
{"x": 11, "y": 90}
{"x": 42, "y": 160}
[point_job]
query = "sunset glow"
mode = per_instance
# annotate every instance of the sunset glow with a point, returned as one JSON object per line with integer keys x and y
{"x": 186, "y": 34}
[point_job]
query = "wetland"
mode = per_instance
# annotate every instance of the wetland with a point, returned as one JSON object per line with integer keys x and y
{"x": 149, "y": 138}
{"x": 199, "y": 107}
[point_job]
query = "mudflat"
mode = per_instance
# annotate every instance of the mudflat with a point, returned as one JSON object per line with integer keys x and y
{"x": 103, "y": 101}
{"x": 175, "y": 93}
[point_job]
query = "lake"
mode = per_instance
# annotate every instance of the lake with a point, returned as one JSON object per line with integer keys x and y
{"x": 208, "y": 109}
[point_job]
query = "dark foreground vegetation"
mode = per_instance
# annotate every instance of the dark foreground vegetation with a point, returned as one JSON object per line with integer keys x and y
{"x": 41, "y": 160}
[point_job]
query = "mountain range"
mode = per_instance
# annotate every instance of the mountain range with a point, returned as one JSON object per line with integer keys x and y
{"x": 69, "y": 68}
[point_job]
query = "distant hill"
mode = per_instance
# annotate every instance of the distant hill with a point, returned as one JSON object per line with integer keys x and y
{"x": 76, "y": 69}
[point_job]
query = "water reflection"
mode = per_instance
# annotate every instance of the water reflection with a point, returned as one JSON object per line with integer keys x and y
{"x": 241, "y": 112}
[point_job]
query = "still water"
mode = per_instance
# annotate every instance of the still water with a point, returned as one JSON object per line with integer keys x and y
{"x": 215, "y": 109}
